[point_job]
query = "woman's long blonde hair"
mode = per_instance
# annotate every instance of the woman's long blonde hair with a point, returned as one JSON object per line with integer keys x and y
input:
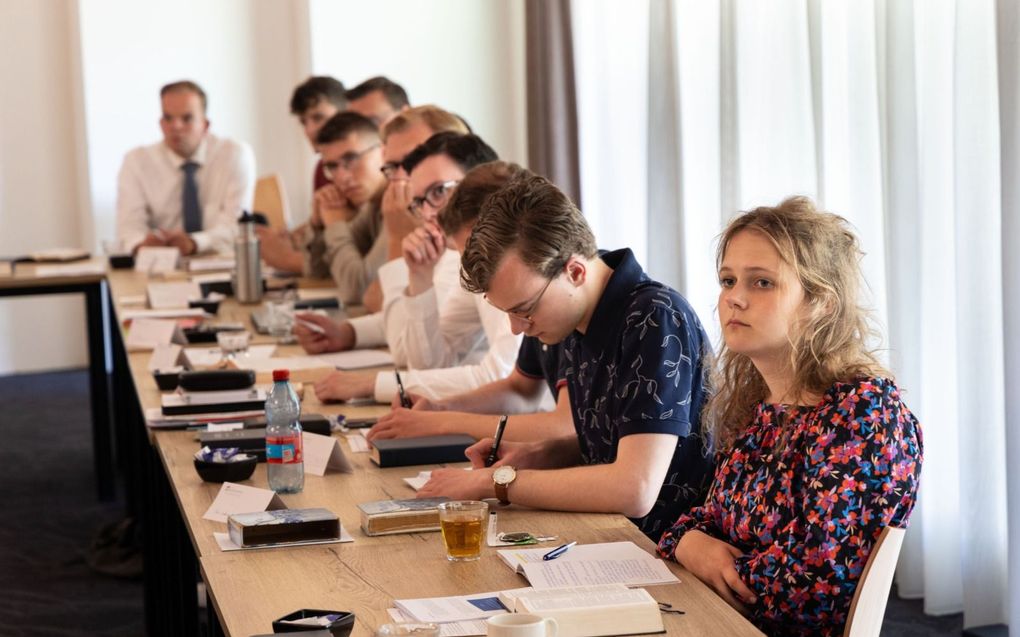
{"x": 830, "y": 342}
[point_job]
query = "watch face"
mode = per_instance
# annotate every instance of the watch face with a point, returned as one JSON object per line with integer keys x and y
{"x": 504, "y": 475}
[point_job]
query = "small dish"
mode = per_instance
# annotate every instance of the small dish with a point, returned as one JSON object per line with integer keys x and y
{"x": 226, "y": 471}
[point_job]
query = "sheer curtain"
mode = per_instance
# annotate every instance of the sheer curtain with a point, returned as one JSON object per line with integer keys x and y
{"x": 900, "y": 116}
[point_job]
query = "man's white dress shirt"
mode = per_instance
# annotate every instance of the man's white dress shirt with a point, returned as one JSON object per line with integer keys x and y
{"x": 450, "y": 340}
{"x": 150, "y": 192}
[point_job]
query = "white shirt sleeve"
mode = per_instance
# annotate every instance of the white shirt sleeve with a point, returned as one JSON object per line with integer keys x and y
{"x": 132, "y": 208}
{"x": 497, "y": 363}
{"x": 369, "y": 330}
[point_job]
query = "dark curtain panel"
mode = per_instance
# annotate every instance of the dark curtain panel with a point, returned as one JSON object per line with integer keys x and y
{"x": 552, "y": 99}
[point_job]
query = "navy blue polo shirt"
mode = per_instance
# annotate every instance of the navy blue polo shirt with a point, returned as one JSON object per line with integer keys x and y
{"x": 538, "y": 360}
{"x": 641, "y": 368}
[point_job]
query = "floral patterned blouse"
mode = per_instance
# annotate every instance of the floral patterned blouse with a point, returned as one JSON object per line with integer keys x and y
{"x": 806, "y": 517}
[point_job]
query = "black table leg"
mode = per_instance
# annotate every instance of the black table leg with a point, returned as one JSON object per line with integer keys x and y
{"x": 97, "y": 309}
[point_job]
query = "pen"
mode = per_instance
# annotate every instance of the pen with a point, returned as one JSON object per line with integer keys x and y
{"x": 558, "y": 551}
{"x": 405, "y": 402}
{"x": 491, "y": 460}
{"x": 312, "y": 326}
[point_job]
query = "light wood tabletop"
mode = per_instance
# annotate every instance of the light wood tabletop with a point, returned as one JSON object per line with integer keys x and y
{"x": 251, "y": 588}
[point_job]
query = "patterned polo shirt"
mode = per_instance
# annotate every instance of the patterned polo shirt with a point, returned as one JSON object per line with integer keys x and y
{"x": 641, "y": 368}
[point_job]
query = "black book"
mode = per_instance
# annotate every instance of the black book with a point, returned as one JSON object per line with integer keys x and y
{"x": 401, "y": 452}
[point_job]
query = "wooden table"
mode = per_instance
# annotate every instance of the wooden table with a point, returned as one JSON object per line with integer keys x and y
{"x": 25, "y": 281}
{"x": 248, "y": 589}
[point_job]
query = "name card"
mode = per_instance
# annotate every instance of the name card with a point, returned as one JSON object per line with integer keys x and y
{"x": 153, "y": 259}
{"x": 238, "y": 498}
{"x": 322, "y": 453}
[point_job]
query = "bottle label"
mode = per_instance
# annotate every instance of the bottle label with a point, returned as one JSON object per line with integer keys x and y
{"x": 283, "y": 450}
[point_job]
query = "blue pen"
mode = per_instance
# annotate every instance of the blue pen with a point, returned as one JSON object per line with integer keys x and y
{"x": 558, "y": 551}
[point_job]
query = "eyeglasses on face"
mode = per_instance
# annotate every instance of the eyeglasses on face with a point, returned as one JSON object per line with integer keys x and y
{"x": 390, "y": 169}
{"x": 530, "y": 308}
{"x": 346, "y": 161}
{"x": 435, "y": 195}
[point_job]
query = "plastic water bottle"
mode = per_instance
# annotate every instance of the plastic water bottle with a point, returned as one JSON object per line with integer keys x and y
{"x": 285, "y": 464}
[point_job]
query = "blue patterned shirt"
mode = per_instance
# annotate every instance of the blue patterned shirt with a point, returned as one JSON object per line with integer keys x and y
{"x": 640, "y": 368}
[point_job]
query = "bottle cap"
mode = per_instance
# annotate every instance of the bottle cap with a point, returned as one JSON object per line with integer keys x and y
{"x": 281, "y": 374}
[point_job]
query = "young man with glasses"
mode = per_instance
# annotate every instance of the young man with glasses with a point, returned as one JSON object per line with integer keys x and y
{"x": 351, "y": 239}
{"x": 634, "y": 360}
{"x": 313, "y": 102}
{"x": 449, "y": 338}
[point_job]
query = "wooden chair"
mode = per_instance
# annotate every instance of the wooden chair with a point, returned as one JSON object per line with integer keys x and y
{"x": 271, "y": 200}
{"x": 868, "y": 608}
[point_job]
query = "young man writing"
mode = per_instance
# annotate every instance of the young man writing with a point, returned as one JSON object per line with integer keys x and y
{"x": 633, "y": 361}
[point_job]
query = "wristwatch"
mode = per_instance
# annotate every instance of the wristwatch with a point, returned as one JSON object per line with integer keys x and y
{"x": 501, "y": 479}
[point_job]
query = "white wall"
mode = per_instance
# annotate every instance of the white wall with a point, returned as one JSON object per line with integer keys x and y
{"x": 463, "y": 55}
{"x": 41, "y": 169}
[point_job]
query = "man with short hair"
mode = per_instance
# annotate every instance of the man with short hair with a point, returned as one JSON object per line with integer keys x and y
{"x": 450, "y": 339}
{"x": 378, "y": 99}
{"x": 352, "y": 238}
{"x": 313, "y": 102}
{"x": 188, "y": 190}
{"x": 634, "y": 361}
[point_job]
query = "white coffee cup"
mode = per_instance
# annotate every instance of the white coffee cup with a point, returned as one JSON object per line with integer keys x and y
{"x": 518, "y": 625}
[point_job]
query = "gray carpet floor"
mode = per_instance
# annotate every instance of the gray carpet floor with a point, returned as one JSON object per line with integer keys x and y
{"x": 52, "y": 515}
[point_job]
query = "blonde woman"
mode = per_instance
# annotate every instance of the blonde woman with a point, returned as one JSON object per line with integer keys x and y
{"x": 816, "y": 451}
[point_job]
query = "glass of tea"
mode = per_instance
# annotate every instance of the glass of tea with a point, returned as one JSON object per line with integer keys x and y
{"x": 463, "y": 524}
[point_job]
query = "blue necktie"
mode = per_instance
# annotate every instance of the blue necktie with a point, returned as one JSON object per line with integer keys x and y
{"x": 192, "y": 209}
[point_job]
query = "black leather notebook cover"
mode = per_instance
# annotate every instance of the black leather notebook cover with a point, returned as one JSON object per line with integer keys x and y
{"x": 402, "y": 452}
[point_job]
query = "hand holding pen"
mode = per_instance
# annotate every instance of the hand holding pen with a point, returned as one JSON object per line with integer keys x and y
{"x": 405, "y": 402}
{"x": 494, "y": 451}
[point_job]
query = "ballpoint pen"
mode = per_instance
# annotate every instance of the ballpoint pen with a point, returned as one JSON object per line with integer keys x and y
{"x": 493, "y": 453}
{"x": 558, "y": 551}
{"x": 405, "y": 402}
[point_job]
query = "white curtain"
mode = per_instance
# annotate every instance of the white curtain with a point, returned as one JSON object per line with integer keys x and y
{"x": 901, "y": 116}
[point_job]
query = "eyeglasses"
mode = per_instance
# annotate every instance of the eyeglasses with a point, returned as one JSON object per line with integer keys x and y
{"x": 526, "y": 315}
{"x": 346, "y": 161}
{"x": 436, "y": 196}
{"x": 390, "y": 168}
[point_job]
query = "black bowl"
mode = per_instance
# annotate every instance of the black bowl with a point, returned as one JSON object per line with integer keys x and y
{"x": 211, "y": 307}
{"x": 226, "y": 471}
{"x": 167, "y": 381}
{"x": 339, "y": 628}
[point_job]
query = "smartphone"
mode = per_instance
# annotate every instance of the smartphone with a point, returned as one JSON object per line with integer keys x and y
{"x": 359, "y": 423}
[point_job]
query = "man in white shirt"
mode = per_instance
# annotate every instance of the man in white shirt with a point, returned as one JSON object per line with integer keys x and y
{"x": 451, "y": 339}
{"x": 188, "y": 190}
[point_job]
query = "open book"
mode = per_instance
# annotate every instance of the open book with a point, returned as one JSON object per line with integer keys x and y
{"x": 590, "y": 611}
{"x": 589, "y": 565}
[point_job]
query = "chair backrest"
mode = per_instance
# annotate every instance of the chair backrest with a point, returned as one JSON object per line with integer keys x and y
{"x": 868, "y": 608}
{"x": 271, "y": 200}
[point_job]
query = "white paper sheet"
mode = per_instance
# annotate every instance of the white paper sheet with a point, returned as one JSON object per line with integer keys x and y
{"x": 252, "y": 358}
{"x": 452, "y": 629}
{"x": 358, "y": 443}
{"x": 238, "y": 498}
{"x": 71, "y": 269}
{"x": 226, "y": 544}
{"x": 589, "y": 565}
{"x": 452, "y": 609}
{"x": 211, "y": 264}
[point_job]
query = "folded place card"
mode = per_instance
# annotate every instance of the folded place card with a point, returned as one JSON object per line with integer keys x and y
{"x": 322, "y": 453}
{"x": 238, "y": 498}
{"x": 166, "y": 356}
{"x": 146, "y": 334}
{"x": 152, "y": 259}
{"x": 172, "y": 294}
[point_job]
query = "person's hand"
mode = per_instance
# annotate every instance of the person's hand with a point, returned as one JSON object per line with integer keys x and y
{"x": 345, "y": 386}
{"x": 422, "y": 250}
{"x": 519, "y": 455}
{"x": 398, "y": 219}
{"x": 330, "y": 206}
{"x": 151, "y": 240}
{"x": 405, "y": 423}
{"x": 181, "y": 240}
{"x": 418, "y": 402}
{"x": 334, "y": 338}
{"x": 458, "y": 484}
{"x": 711, "y": 561}
{"x": 276, "y": 246}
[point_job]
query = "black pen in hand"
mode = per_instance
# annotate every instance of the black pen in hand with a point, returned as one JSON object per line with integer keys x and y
{"x": 494, "y": 452}
{"x": 405, "y": 402}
